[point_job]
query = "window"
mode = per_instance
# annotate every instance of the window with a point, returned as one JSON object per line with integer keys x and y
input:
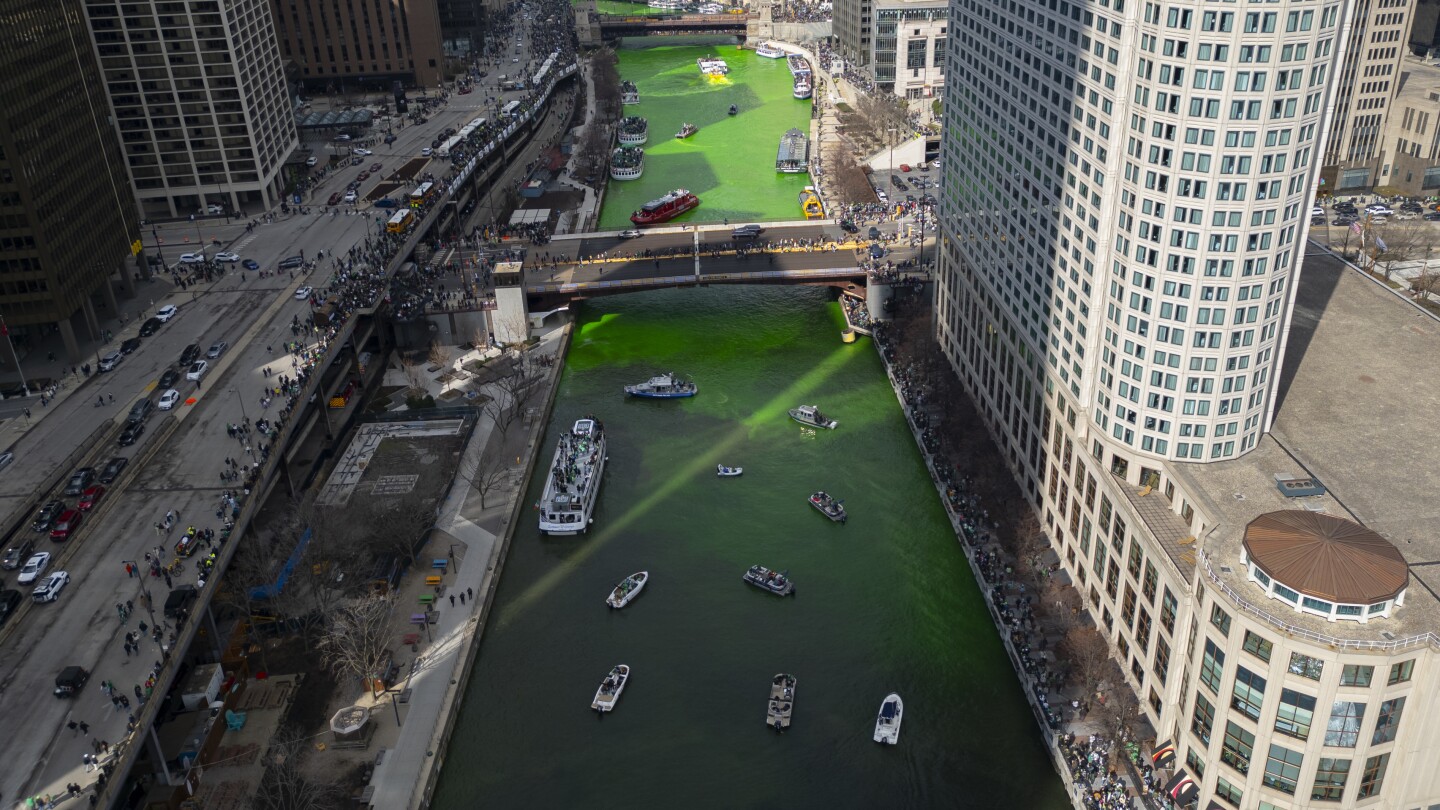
{"x": 1330, "y": 779}
{"x": 1305, "y": 666}
{"x": 1257, "y": 646}
{"x": 1343, "y": 730}
{"x": 1162, "y": 659}
{"x": 1282, "y": 769}
{"x": 1249, "y": 693}
{"x": 1212, "y": 667}
{"x": 1296, "y": 712}
{"x": 1226, "y": 792}
{"x": 1387, "y": 722}
{"x": 1373, "y": 776}
{"x": 1203, "y": 718}
{"x": 1400, "y": 673}
{"x": 1220, "y": 619}
{"x": 1356, "y": 675}
{"x": 1195, "y": 763}
{"x": 1167, "y": 612}
{"x": 1235, "y": 752}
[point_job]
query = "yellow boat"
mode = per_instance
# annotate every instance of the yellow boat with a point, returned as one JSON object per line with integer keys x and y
{"x": 810, "y": 204}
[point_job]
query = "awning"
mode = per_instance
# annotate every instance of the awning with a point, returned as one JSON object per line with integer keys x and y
{"x": 1164, "y": 755}
{"x": 1182, "y": 789}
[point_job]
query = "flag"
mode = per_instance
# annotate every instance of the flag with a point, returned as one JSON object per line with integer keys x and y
{"x": 1380, "y": 243}
{"x": 1355, "y": 228}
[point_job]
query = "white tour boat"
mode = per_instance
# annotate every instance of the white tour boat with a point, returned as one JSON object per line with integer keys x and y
{"x": 628, "y": 590}
{"x": 712, "y": 66}
{"x": 610, "y": 688}
{"x": 810, "y": 415}
{"x": 574, "y": 480}
{"x": 769, "y": 51}
{"x": 887, "y": 723}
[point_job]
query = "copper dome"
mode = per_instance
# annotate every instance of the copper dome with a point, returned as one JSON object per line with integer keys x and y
{"x": 1326, "y": 557}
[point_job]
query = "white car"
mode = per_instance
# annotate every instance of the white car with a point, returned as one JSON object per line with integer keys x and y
{"x": 165, "y": 313}
{"x": 364, "y": 152}
{"x": 169, "y": 399}
{"x": 49, "y": 588}
{"x": 1379, "y": 210}
{"x": 350, "y": 197}
{"x": 342, "y": 137}
{"x": 192, "y": 258}
{"x": 303, "y": 293}
{"x": 197, "y": 370}
{"x": 311, "y": 161}
{"x": 229, "y": 258}
{"x": 1317, "y": 211}
{"x": 34, "y": 567}
{"x": 426, "y": 151}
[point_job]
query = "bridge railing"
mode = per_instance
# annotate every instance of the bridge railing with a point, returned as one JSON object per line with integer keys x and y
{"x": 707, "y": 278}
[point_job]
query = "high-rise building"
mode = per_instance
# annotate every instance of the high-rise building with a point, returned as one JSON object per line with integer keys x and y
{"x": 905, "y": 54}
{"x": 343, "y": 47}
{"x": 69, "y": 216}
{"x": 1425, "y": 29}
{"x": 1369, "y": 76}
{"x": 200, "y": 102}
{"x": 1126, "y": 190}
{"x": 853, "y": 24}
{"x": 1412, "y": 131}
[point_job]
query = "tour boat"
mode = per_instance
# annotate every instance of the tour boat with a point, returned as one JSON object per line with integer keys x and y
{"x": 798, "y": 65}
{"x": 629, "y": 93}
{"x": 574, "y": 479}
{"x": 628, "y": 590}
{"x": 829, "y": 507}
{"x": 793, "y": 157}
{"x": 887, "y": 724}
{"x": 810, "y": 415}
{"x": 775, "y": 582}
{"x": 712, "y": 66}
{"x": 663, "y": 386}
{"x": 728, "y": 472}
{"x": 668, "y": 5}
{"x": 610, "y": 688}
{"x": 686, "y": 130}
{"x": 810, "y": 204}
{"x": 734, "y": 109}
{"x": 769, "y": 51}
{"x": 627, "y": 163}
{"x": 632, "y": 130}
{"x": 666, "y": 208}
{"x": 803, "y": 88}
{"x": 782, "y": 702}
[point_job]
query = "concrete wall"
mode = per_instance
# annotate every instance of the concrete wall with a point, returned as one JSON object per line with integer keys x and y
{"x": 511, "y": 316}
{"x": 801, "y": 33}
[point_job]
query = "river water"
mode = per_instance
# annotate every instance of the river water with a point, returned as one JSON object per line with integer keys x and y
{"x": 730, "y": 162}
{"x": 884, "y": 603}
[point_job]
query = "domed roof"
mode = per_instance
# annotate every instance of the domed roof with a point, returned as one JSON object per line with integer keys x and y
{"x": 1326, "y": 557}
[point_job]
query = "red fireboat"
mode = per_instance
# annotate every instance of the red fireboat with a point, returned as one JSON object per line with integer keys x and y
{"x": 666, "y": 208}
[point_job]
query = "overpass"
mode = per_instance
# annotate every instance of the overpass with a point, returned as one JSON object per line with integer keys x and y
{"x": 616, "y": 25}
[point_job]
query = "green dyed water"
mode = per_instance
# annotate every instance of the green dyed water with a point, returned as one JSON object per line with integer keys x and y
{"x": 730, "y": 162}
{"x": 884, "y": 603}
{"x": 627, "y": 9}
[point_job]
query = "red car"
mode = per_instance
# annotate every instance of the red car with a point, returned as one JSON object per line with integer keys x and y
{"x": 904, "y": 167}
{"x": 89, "y": 498}
{"x": 335, "y": 198}
{"x": 375, "y": 167}
{"x": 66, "y": 524}
{"x": 363, "y": 176}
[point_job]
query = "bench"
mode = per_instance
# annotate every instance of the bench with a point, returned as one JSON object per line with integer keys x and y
{"x": 419, "y": 618}
{"x": 433, "y": 581}
{"x": 440, "y": 564}
{"x": 427, "y": 599}
{"x": 410, "y": 638}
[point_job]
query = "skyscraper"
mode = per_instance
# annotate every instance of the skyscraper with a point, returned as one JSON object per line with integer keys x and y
{"x": 1126, "y": 191}
{"x": 69, "y": 217}
{"x": 1369, "y": 76}
{"x": 200, "y": 102}
{"x": 345, "y": 47}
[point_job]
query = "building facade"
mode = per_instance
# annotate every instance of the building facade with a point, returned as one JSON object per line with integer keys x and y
{"x": 1412, "y": 133}
{"x": 338, "y": 48}
{"x": 69, "y": 218}
{"x": 898, "y": 44}
{"x": 1369, "y": 75}
{"x": 200, "y": 103}
{"x": 853, "y": 24}
{"x": 1125, "y": 196}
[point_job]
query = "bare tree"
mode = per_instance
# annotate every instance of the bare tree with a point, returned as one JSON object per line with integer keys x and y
{"x": 440, "y": 354}
{"x": 1426, "y": 281}
{"x": 414, "y": 374}
{"x": 357, "y": 641}
{"x": 1088, "y": 654}
{"x": 511, "y": 390}
{"x": 1397, "y": 243}
{"x": 392, "y": 525}
{"x": 850, "y": 179}
{"x": 1119, "y": 717}
{"x": 284, "y": 785}
{"x": 486, "y": 470}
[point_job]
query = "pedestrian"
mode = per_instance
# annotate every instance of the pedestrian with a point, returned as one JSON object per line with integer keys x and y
{"x": 452, "y": 600}
{"x": 112, "y": 397}
{"x": 73, "y": 726}
{"x": 471, "y": 592}
{"x": 462, "y": 598}
{"x": 85, "y": 728}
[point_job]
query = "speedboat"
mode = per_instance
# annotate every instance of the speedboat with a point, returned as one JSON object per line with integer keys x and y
{"x": 828, "y": 506}
{"x": 887, "y": 724}
{"x": 782, "y": 702}
{"x": 573, "y": 483}
{"x": 810, "y": 415}
{"x": 775, "y": 582}
{"x": 628, "y": 590}
{"x": 610, "y": 689}
{"x": 734, "y": 108}
{"x": 663, "y": 386}
{"x": 728, "y": 472}
{"x": 686, "y": 130}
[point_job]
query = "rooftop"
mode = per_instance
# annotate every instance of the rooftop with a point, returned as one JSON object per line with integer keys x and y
{"x": 1325, "y": 556}
{"x": 1355, "y": 412}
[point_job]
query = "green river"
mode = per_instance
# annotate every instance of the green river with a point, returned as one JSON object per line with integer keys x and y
{"x": 730, "y": 162}
{"x": 884, "y": 603}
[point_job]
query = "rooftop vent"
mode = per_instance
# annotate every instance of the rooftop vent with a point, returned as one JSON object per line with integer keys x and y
{"x": 1299, "y": 486}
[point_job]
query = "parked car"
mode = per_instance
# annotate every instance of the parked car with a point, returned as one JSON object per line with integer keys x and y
{"x": 150, "y": 326}
{"x": 197, "y": 370}
{"x": 227, "y": 257}
{"x": 311, "y": 161}
{"x": 165, "y": 313}
{"x": 112, "y": 469}
{"x": 17, "y": 554}
{"x": 303, "y": 293}
{"x": 50, "y": 587}
{"x": 34, "y": 567}
{"x": 350, "y": 197}
{"x": 168, "y": 379}
{"x": 131, "y": 434}
{"x": 216, "y": 349}
{"x": 849, "y": 227}
{"x": 110, "y": 361}
{"x": 364, "y": 152}
{"x": 169, "y": 399}
{"x": 129, "y": 345}
{"x": 1317, "y": 211}
{"x": 334, "y": 199}
{"x": 90, "y": 497}
{"x": 9, "y": 601}
{"x": 79, "y": 480}
{"x": 874, "y": 232}
{"x": 363, "y": 176}
{"x": 66, "y": 524}
{"x": 140, "y": 411}
{"x": 45, "y": 517}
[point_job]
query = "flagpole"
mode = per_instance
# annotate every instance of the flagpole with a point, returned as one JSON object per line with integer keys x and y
{"x": 5, "y": 330}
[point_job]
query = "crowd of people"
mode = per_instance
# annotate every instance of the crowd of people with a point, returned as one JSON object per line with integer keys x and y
{"x": 803, "y": 11}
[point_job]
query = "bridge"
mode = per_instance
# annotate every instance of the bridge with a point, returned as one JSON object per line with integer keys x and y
{"x": 617, "y": 25}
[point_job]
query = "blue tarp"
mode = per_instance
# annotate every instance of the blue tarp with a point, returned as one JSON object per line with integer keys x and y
{"x": 275, "y": 588}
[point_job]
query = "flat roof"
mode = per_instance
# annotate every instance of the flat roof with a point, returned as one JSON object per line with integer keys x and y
{"x": 1356, "y": 408}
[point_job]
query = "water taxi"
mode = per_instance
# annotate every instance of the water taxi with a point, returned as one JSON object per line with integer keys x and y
{"x": 810, "y": 204}
{"x": 573, "y": 482}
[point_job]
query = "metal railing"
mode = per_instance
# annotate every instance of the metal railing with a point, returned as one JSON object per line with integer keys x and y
{"x": 1393, "y": 646}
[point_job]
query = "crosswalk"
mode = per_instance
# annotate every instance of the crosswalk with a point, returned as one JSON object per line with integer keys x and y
{"x": 239, "y": 246}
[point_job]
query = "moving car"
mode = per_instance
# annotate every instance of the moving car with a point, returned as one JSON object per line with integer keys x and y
{"x": 113, "y": 469}
{"x": 342, "y": 137}
{"x": 131, "y": 434}
{"x": 140, "y": 411}
{"x": 849, "y": 227}
{"x": 192, "y": 258}
{"x": 350, "y": 197}
{"x": 191, "y": 352}
{"x": 292, "y": 262}
{"x": 375, "y": 167}
{"x": 747, "y": 232}
{"x": 426, "y": 151}
{"x": 364, "y": 152}
{"x": 1317, "y": 211}
{"x": 17, "y": 553}
{"x": 216, "y": 349}
{"x": 169, "y": 399}
{"x": 874, "y": 232}
{"x": 197, "y": 370}
{"x": 44, "y": 518}
{"x": 150, "y": 327}
{"x": 227, "y": 257}
{"x": 66, "y": 524}
{"x": 50, "y": 587}
{"x": 630, "y": 234}
{"x": 334, "y": 199}
{"x": 34, "y": 567}
{"x": 79, "y": 480}
{"x": 303, "y": 293}
{"x": 90, "y": 497}
{"x": 70, "y": 681}
{"x": 110, "y": 361}
{"x": 250, "y": 264}
{"x": 363, "y": 176}
{"x": 168, "y": 379}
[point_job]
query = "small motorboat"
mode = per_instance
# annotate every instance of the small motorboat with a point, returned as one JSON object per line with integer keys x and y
{"x": 811, "y": 415}
{"x": 614, "y": 683}
{"x": 734, "y": 109}
{"x": 775, "y": 582}
{"x": 686, "y": 130}
{"x": 829, "y": 507}
{"x": 782, "y": 702}
{"x": 728, "y": 472}
{"x": 887, "y": 724}
{"x": 628, "y": 590}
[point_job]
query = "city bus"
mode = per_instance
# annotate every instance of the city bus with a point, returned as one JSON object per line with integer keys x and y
{"x": 510, "y": 109}
{"x": 422, "y": 195}
{"x": 400, "y": 223}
